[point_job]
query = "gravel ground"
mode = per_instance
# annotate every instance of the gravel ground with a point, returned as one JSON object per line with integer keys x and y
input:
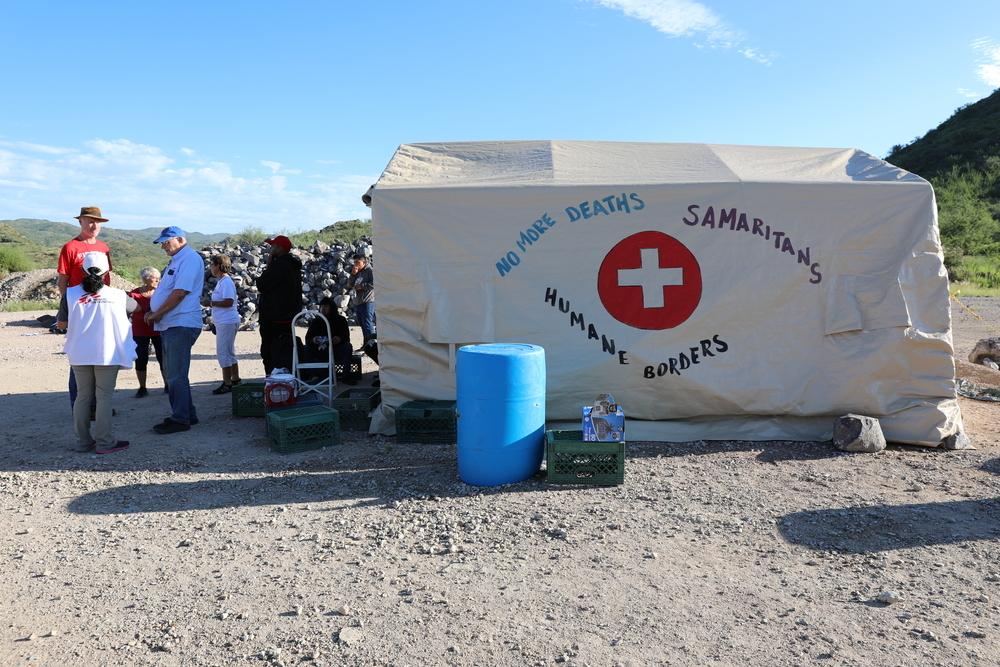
{"x": 204, "y": 548}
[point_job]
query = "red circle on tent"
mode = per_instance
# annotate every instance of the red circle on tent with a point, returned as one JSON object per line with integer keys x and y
{"x": 650, "y": 280}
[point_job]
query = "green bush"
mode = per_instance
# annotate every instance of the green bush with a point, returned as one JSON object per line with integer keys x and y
{"x": 980, "y": 270}
{"x": 21, "y": 306}
{"x": 966, "y": 218}
{"x": 344, "y": 231}
{"x": 251, "y": 235}
{"x": 13, "y": 259}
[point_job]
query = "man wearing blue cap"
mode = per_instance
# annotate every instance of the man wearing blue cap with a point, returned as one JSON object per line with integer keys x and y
{"x": 175, "y": 311}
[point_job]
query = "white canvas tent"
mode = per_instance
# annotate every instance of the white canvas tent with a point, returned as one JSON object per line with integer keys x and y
{"x": 716, "y": 291}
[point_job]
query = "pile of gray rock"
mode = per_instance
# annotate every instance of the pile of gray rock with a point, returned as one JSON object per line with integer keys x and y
{"x": 987, "y": 353}
{"x": 326, "y": 271}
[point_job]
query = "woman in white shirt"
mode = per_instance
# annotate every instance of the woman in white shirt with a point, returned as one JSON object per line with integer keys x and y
{"x": 226, "y": 319}
{"x": 98, "y": 344}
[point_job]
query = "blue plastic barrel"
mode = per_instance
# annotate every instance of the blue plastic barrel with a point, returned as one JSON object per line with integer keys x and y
{"x": 501, "y": 412}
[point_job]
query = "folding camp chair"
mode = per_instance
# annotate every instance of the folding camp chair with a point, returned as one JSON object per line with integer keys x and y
{"x": 322, "y": 387}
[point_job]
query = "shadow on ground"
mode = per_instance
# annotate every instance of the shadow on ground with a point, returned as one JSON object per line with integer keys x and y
{"x": 872, "y": 529}
{"x": 859, "y": 530}
{"x": 376, "y": 473}
{"x": 365, "y": 485}
{"x": 769, "y": 451}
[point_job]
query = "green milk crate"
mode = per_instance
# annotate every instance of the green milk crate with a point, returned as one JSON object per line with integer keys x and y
{"x": 570, "y": 460}
{"x": 302, "y": 429}
{"x": 354, "y": 405}
{"x": 351, "y": 371}
{"x": 432, "y": 422}
{"x": 248, "y": 399}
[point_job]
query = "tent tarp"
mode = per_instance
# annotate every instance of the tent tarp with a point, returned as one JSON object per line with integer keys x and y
{"x": 716, "y": 291}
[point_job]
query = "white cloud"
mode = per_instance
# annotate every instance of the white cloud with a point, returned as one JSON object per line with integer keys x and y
{"x": 149, "y": 161}
{"x": 187, "y": 151}
{"x": 36, "y": 148}
{"x": 969, "y": 94}
{"x": 672, "y": 17}
{"x": 757, "y": 56}
{"x": 275, "y": 167}
{"x": 988, "y": 67}
{"x": 687, "y": 18}
{"x": 139, "y": 185}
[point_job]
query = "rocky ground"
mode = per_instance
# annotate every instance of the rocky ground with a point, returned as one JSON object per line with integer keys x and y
{"x": 204, "y": 548}
{"x": 40, "y": 285}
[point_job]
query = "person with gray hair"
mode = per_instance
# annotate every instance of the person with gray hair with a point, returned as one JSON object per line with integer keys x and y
{"x": 143, "y": 334}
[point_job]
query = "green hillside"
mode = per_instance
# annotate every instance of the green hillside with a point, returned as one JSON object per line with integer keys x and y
{"x": 32, "y": 244}
{"x": 27, "y": 244}
{"x": 961, "y": 158}
{"x": 344, "y": 231}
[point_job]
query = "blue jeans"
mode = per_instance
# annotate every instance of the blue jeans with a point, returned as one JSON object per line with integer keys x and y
{"x": 365, "y": 314}
{"x": 177, "y": 344}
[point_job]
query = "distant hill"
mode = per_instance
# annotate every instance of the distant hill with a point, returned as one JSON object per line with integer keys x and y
{"x": 26, "y": 243}
{"x": 39, "y": 241}
{"x": 46, "y": 232}
{"x": 961, "y": 158}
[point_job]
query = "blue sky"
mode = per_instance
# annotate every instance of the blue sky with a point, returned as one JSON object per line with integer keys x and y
{"x": 218, "y": 116}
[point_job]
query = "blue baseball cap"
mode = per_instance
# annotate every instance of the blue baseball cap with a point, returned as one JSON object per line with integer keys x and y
{"x": 169, "y": 233}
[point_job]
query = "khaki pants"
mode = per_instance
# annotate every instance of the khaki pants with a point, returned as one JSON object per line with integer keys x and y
{"x": 91, "y": 381}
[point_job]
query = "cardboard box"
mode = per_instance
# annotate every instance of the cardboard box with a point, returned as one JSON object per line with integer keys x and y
{"x": 604, "y": 421}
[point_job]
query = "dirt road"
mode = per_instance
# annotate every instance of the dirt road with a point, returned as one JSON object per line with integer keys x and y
{"x": 204, "y": 548}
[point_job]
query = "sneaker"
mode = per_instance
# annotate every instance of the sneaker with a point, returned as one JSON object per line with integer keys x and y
{"x": 87, "y": 449}
{"x": 170, "y": 420}
{"x": 222, "y": 389}
{"x": 171, "y": 426}
{"x": 117, "y": 447}
{"x": 142, "y": 392}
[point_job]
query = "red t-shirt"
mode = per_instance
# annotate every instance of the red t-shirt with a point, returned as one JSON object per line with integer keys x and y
{"x": 139, "y": 326}
{"x": 71, "y": 260}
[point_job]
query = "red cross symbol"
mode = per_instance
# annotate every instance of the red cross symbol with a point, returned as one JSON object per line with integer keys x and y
{"x": 650, "y": 280}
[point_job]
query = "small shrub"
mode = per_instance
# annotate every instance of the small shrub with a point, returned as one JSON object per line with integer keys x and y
{"x": 983, "y": 271}
{"x": 249, "y": 235}
{"x": 13, "y": 259}
{"x": 21, "y": 306}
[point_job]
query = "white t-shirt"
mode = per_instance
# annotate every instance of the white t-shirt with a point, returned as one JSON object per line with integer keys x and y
{"x": 99, "y": 332}
{"x": 225, "y": 289}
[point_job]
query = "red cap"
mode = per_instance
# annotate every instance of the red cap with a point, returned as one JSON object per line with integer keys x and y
{"x": 280, "y": 241}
